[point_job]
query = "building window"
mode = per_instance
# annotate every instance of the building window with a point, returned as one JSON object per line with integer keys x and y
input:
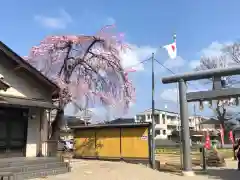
{"x": 217, "y": 126}
{"x": 156, "y": 118}
{"x": 164, "y": 132}
{"x": 157, "y": 132}
{"x": 149, "y": 116}
{"x": 163, "y": 116}
{"x": 140, "y": 118}
{"x": 163, "y": 121}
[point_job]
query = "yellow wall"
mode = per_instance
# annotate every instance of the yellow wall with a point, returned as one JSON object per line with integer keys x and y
{"x": 108, "y": 142}
{"x": 135, "y": 142}
{"x": 85, "y": 143}
{"x": 112, "y": 142}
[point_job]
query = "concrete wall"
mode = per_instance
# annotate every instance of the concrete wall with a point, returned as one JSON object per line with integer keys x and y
{"x": 37, "y": 126}
{"x": 44, "y": 131}
{"x": 33, "y": 133}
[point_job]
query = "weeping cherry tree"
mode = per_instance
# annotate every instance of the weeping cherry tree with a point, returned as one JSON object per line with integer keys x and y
{"x": 88, "y": 70}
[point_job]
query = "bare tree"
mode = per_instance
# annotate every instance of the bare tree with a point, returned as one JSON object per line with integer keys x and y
{"x": 230, "y": 56}
{"x": 233, "y": 51}
{"x": 211, "y": 63}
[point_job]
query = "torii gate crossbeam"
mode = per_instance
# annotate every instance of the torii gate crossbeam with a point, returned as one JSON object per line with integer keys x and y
{"x": 217, "y": 93}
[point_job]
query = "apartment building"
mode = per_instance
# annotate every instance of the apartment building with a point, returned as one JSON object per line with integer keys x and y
{"x": 167, "y": 122}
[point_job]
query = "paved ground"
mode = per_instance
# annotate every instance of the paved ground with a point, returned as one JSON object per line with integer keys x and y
{"x": 95, "y": 170}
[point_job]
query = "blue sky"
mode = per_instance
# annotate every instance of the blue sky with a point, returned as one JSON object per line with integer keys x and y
{"x": 202, "y": 27}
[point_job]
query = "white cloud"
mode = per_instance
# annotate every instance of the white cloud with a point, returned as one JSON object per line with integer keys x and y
{"x": 194, "y": 63}
{"x": 172, "y": 64}
{"x": 54, "y": 22}
{"x": 175, "y": 63}
{"x": 170, "y": 95}
{"x": 213, "y": 50}
{"x": 110, "y": 21}
{"x": 132, "y": 57}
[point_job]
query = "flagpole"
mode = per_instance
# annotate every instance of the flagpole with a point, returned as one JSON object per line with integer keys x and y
{"x": 153, "y": 113}
{"x": 153, "y": 117}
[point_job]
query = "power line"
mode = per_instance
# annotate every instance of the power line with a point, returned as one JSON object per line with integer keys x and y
{"x": 141, "y": 62}
{"x": 165, "y": 66}
{"x": 173, "y": 72}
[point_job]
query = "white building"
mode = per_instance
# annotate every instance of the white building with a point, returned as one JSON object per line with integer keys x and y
{"x": 26, "y": 100}
{"x": 167, "y": 122}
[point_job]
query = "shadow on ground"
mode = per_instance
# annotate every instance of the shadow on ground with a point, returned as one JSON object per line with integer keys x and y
{"x": 224, "y": 174}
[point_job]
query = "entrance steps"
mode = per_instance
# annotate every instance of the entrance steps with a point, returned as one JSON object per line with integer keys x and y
{"x": 28, "y": 168}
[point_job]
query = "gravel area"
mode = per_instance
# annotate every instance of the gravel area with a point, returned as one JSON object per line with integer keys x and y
{"x": 95, "y": 170}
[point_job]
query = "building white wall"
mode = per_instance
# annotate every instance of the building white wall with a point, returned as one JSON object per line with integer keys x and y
{"x": 22, "y": 84}
{"x": 44, "y": 131}
{"x": 33, "y": 132}
{"x": 167, "y": 122}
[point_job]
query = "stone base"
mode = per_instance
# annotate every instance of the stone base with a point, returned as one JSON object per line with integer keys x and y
{"x": 215, "y": 159}
{"x": 188, "y": 173}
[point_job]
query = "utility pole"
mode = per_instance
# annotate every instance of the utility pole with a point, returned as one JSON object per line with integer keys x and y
{"x": 153, "y": 116}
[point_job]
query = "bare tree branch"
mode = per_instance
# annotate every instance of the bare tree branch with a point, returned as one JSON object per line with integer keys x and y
{"x": 212, "y": 63}
{"x": 84, "y": 67}
{"x": 233, "y": 50}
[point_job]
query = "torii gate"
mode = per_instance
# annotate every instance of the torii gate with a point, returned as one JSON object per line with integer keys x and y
{"x": 218, "y": 92}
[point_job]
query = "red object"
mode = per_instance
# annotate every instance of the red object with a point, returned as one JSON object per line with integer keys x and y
{"x": 207, "y": 141}
{"x": 222, "y": 134}
{"x": 130, "y": 70}
{"x": 231, "y": 137}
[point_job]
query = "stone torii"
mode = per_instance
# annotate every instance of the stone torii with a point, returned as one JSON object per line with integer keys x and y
{"x": 218, "y": 92}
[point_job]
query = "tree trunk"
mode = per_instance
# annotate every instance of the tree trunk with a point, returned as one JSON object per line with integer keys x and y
{"x": 226, "y": 138}
{"x": 225, "y": 133}
{"x": 55, "y": 131}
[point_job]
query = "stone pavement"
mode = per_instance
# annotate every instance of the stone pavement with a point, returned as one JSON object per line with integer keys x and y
{"x": 229, "y": 172}
{"x": 95, "y": 170}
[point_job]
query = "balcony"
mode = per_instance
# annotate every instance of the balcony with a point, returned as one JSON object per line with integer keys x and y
{"x": 192, "y": 125}
{"x": 160, "y": 126}
{"x": 172, "y": 122}
{"x": 148, "y": 120}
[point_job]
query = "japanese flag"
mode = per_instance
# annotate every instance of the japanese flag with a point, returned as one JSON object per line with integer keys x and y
{"x": 171, "y": 49}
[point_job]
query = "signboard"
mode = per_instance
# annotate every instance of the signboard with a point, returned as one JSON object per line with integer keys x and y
{"x": 144, "y": 138}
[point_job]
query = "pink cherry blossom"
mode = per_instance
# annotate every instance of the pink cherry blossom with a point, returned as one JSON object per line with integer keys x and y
{"x": 85, "y": 66}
